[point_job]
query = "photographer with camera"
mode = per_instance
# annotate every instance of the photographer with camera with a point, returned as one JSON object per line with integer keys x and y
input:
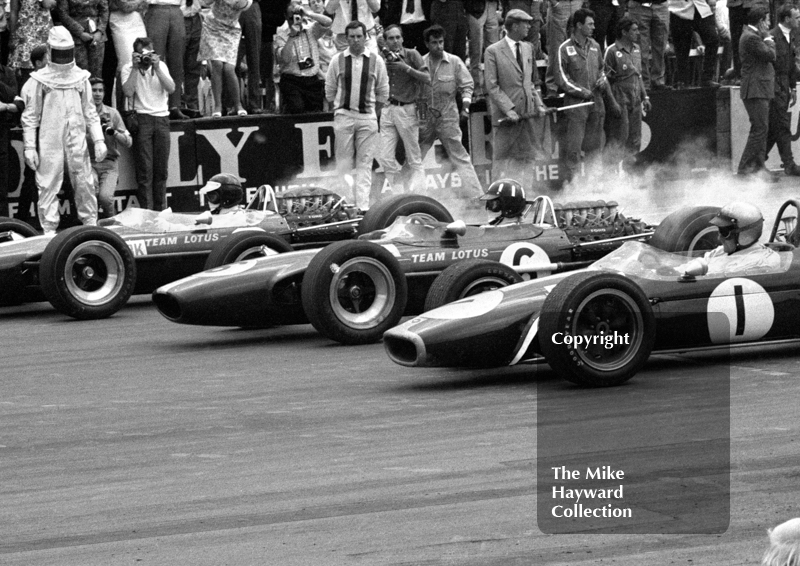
{"x": 298, "y": 59}
{"x": 106, "y": 171}
{"x": 407, "y": 72}
{"x": 146, "y": 80}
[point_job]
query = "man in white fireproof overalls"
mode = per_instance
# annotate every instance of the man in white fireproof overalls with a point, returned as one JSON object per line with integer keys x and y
{"x": 58, "y": 109}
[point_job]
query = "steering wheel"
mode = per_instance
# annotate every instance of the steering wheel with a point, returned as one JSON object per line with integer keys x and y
{"x": 789, "y": 232}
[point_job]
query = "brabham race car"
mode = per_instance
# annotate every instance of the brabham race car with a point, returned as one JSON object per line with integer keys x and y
{"x": 598, "y": 326}
{"x": 90, "y": 272}
{"x": 354, "y": 291}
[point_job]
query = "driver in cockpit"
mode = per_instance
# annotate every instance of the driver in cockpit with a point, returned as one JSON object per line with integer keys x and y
{"x": 740, "y": 225}
{"x": 507, "y": 198}
{"x": 223, "y": 193}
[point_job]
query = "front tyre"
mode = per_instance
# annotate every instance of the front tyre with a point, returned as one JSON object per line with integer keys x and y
{"x": 467, "y": 278}
{"x": 596, "y": 307}
{"x": 354, "y": 291}
{"x": 87, "y": 272}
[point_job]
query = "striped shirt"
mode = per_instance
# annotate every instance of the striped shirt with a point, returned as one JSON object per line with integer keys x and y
{"x": 354, "y": 83}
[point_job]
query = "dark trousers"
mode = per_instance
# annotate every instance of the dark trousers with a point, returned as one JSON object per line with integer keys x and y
{"x": 166, "y": 28}
{"x": 738, "y": 18}
{"x": 250, "y": 46}
{"x": 151, "y": 148}
{"x": 452, "y": 16}
{"x": 192, "y": 68}
{"x": 755, "y": 150}
{"x": 28, "y": 197}
{"x": 605, "y": 22}
{"x": 682, "y": 37}
{"x": 267, "y": 62}
{"x": 301, "y": 94}
{"x": 109, "y": 69}
{"x": 4, "y": 167}
{"x": 780, "y": 128}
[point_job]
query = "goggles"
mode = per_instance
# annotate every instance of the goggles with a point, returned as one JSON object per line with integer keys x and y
{"x": 726, "y": 231}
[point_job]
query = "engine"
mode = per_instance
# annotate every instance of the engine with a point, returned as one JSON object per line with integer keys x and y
{"x": 310, "y": 206}
{"x": 587, "y": 221}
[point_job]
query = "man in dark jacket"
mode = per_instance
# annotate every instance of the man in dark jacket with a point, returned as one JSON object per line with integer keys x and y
{"x": 786, "y": 73}
{"x": 8, "y": 90}
{"x": 757, "y": 53}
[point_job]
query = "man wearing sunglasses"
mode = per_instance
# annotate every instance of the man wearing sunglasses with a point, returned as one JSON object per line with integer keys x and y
{"x": 739, "y": 225}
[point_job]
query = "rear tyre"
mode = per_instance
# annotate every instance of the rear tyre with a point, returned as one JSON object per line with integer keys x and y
{"x": 467, "y": 278}
{"x": 595, "y": 305}
{"x": 87, "y": 272}
{"x": 18, "y": 228}
{"x": 386, "y": 211}
{"x": 245, "y": 245}
{"x": 687, "y": 231}
{"x": 352, "y": 292}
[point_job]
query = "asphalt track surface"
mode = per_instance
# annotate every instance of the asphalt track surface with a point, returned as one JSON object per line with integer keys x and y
{"x": 133, "y": 440}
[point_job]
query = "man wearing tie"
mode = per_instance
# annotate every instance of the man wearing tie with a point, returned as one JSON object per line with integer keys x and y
{"x": 516, "y": 104}
{"x": 786, "y": 75}
{"x": 757, "y": 53}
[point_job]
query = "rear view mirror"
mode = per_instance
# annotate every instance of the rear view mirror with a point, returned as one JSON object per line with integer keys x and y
{"x": 456, "y": 228}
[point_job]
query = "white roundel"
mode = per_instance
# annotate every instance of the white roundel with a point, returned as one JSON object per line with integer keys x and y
{"x": 469, "y": 307}
{"x": 748, "y": 309}
{"x": 523, "y": 254}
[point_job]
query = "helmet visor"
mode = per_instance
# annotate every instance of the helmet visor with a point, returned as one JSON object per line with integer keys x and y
{"x": 214, "y": 197}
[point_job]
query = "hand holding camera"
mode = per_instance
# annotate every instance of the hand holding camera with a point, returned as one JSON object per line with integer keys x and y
{"x": 297, "y": 21}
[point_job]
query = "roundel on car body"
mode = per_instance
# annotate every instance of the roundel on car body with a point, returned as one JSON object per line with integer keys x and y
{"x": 525, "y": 254}
{"x": 748, "y": 309}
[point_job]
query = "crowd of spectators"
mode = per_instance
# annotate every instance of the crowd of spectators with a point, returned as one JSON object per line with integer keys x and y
{"x": 155, "y": 53}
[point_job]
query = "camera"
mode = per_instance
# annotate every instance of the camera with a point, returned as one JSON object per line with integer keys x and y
{"x": 390, "y": 56}
{"x": 146, "y": 59}
{"x": 109, "y": 131}
{"x": 306, "y": 63}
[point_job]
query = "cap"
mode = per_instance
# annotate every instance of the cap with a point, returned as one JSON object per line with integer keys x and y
{"x": 517, "y": 14}
{"x": 60, "y": 38}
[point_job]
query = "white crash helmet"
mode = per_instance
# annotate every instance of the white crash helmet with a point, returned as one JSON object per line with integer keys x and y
{"x": 741, "y": 221}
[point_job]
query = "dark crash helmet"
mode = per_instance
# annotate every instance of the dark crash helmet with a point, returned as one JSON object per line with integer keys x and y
{"x": 223, "y": 191}
{"x": 505, "y": 196}
{"x": 740, "y": 221}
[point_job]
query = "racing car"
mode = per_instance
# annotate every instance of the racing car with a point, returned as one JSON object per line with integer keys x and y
{"x": 90, "y": 272}
{"x": 598, "y": 326}
{"x": 352, "y": 292}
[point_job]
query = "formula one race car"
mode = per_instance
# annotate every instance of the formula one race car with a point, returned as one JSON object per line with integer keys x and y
{"x": 597, "y": 327}
{"x": 89, "y": 272}
{"x": 354, "y": 291}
